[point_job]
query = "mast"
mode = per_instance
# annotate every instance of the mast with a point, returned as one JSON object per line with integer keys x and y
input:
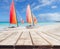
{"x": 16, "y": 16}
{"x": 32, "y": 19}
{"x": 33, "y": 22}
{"x": 17, "y": 19}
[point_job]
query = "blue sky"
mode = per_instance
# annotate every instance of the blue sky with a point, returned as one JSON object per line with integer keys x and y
{"x": 44, "y": 10}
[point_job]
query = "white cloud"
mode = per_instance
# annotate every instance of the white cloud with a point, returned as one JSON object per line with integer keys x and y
{"x": 51, "y": 16}
{"x": 36, "y": 7}
{"x": 45, "y": 3}
{"x": 53, "y": 7}
{"x": 48, "y": 2}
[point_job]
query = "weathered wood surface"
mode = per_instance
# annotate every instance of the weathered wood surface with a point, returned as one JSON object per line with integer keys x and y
{"x": 29, "y": 37}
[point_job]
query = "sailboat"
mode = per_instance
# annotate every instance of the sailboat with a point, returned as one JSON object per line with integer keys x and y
{"x": 35, "y": 20}
{"x": 31, "y": 19}
{"x": 22, "y": 21}
{"x": 13, "y": 18}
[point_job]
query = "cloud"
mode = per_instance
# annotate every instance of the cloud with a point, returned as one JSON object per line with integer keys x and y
{"x": 43, "y": 3}
{"x": 50, "y": 16}
{"x": 33, "y": 4}
{"x": 46, "y": 2}
{"x": 53, "y": 7}
{"x": 36, "y": 7}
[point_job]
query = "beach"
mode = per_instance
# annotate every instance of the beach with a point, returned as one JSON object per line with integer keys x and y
{"x": 42, "y": 35}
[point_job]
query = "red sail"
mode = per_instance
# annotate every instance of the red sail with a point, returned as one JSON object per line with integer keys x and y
{"x": 28, "y": 14}
{"x": 13, "y": 19}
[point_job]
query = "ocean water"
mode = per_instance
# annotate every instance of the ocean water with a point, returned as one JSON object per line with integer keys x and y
{"x": 6, "y": 24}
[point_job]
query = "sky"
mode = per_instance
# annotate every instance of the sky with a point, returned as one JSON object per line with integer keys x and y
{"x": 44, "y": 10}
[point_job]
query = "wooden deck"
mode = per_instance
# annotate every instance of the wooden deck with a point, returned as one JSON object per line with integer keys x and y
{"x": 30, "y": 38}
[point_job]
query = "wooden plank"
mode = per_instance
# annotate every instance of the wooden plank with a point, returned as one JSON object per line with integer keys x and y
{"x": 6, "y": 47}
{"x": 11, "y": 40}
{"x": 52, "y": 40}
{"x": 3, "y": 32}
{"x": 37, "y": 39}
{"x": 33, "y": 47}
{"x": 24, "y": 39}
{"x": 5, "y": 35}
{"x": 6, "y": 29}
{"x": 31, "y": 39}
{"x": 55, "y": 32}
{"x": 52, "y": 35}
{"x": 9, "y": 29}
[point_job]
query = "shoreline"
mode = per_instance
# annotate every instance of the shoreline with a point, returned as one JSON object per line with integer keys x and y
{"x": 42, "y": 28}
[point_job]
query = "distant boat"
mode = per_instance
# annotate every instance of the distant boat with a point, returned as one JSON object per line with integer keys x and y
{"x": 22, "y": 21}
{"x": 13, "y": 18}
{"x": 56, "y": 21}
{"x": 35, "y": 20}
{"x": 30, "y": 17}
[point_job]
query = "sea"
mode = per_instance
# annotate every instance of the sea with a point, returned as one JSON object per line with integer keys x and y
{"x": 7, "y": 24}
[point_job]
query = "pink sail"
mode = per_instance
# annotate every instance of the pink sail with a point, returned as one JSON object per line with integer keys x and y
{"x": 28, "y": 14}
{"x": 35, "y": 20}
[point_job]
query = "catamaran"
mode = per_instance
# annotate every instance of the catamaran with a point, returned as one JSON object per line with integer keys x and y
{"x": 13, "y": 18}
{"x": 31, "y": 19}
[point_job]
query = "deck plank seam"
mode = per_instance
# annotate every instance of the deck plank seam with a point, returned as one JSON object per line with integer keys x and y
{"x": 18, "y": 38}
{"x": 6, "y": 37}
{"x": 43, "y": 38}
{"x": 50, "y": 36}
{"x": 54, "y": 34}
{"x": 31, "y": 39}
